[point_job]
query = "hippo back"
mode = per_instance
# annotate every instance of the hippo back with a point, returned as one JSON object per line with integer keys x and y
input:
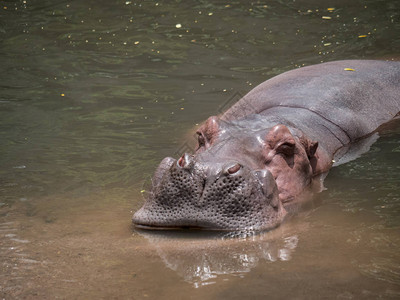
{"x": 357, "y": 96}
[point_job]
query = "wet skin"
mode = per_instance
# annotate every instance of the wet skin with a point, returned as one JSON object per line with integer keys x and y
{"x": 265, "y": 150}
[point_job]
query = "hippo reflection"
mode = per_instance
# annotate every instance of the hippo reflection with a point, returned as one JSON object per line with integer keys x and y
{"x": 264, "y": 152}
{"x": 200, "y": 259}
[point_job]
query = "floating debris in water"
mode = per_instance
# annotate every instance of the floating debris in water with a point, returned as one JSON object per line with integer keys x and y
{"x": 349, "y": 69}
{"x": 178, "y": 25}
{"x": 326, "y": 17}
{"x": 20, "y": 167}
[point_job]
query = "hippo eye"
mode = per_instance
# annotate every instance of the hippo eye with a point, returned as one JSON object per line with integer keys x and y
{"x": 201, "y": 140}
{"x": 286, "y": 148}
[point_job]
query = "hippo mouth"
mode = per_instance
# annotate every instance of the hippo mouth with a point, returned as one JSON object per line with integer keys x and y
{"x": 148, "y": 220}
{"x": 230, "y": 197}
{"x": 166, "y": 227}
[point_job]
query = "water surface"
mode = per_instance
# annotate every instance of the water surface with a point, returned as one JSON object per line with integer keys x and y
{"x": 93, "y": 94}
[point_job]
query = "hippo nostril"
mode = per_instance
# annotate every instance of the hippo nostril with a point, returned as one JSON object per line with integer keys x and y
{"x": 185, "y": 161}
{"x": 234, "y": 169}
{"x": 181, "y": 161}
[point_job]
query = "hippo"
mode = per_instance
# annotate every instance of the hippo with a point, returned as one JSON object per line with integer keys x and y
{"x": 263, "y": 153}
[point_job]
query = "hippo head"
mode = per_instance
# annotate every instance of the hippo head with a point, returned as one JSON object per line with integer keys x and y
{"x": 237, "y": 179}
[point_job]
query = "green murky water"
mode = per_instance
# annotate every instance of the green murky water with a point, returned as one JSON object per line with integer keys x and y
{"x": 93, "y": 94}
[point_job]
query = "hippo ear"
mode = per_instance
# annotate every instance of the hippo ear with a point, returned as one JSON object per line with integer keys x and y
{"x": 309, "y": 146}
{"x": 311, "y": 149}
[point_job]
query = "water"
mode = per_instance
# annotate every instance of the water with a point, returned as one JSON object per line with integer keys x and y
{"x": 93, "y": 94}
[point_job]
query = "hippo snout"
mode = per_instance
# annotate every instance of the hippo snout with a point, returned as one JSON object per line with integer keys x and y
{"x": 187, "y": 162}
{"x": 218, "y": 196}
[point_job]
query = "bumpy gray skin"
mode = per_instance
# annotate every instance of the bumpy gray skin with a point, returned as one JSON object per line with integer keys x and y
{"x": 203, "y": 194}
{"x": 266, "y": 149}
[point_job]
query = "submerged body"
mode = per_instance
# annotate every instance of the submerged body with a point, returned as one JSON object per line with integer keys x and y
{"x": 265, "y": 150}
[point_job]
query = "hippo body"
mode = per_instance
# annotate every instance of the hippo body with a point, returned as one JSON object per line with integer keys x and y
{"x": 264, "y": 151}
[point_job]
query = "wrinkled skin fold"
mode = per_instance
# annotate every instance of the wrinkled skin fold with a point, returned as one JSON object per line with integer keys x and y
{"x": 264, "y": 152}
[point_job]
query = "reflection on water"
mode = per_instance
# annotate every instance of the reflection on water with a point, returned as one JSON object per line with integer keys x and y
{"x": 93, "y": 94}
{"x": 200, "y": 259}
